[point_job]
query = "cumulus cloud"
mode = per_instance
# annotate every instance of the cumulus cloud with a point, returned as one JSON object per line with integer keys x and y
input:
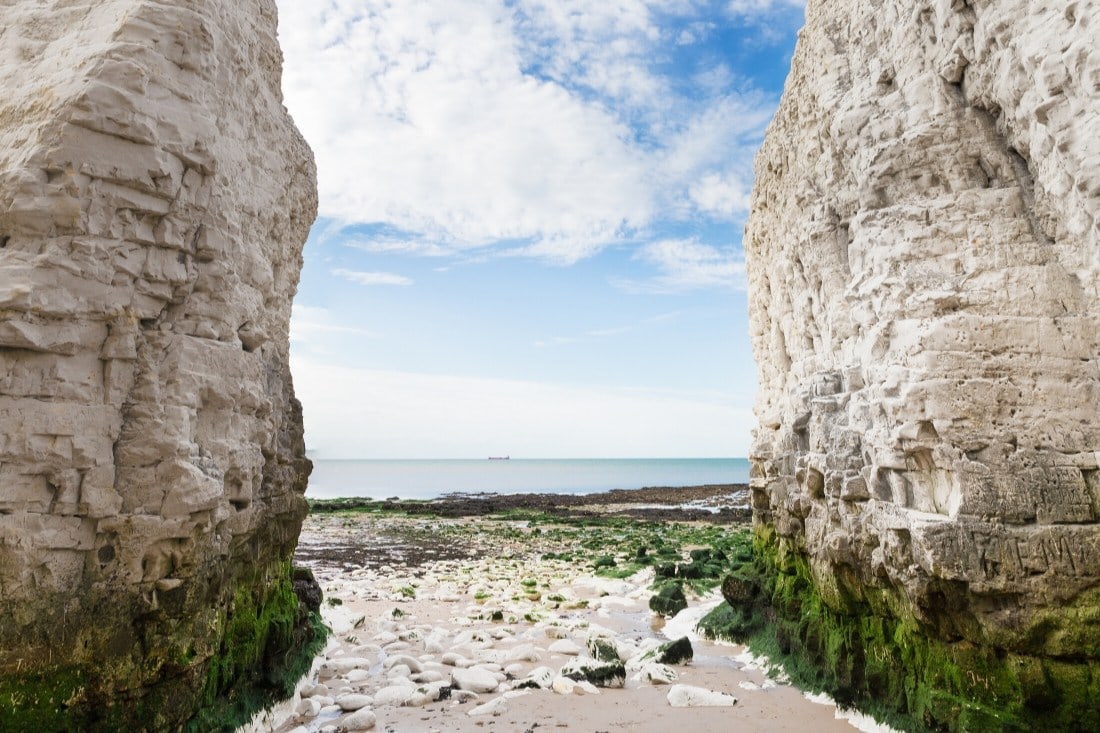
{"x": 372, "y": 278}
{"x": 543, "y": 128}
{"x": 687, "y": 264}
{"x": 307, "y": 323}
{"x": 724, "y": 195}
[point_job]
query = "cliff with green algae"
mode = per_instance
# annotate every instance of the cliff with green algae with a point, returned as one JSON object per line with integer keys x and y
{"x": 924, "y": 295}
{"x": 154, "y": 201}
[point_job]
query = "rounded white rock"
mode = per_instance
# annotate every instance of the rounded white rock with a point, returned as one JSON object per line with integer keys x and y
{"x": 687, "y": 696}
{"x": 394, "y": 695}
{"x": 475, "y": 680}
{"x": 352, "y": 702}
{"x": 567, "y": 647}
{"x": 360, "y": 720}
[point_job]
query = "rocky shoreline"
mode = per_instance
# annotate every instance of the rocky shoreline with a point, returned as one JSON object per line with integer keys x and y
{"x": 458, "y": 623}
{"x": 723, "y": 503}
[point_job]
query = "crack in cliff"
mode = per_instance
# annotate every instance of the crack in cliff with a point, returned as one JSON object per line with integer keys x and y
{"x": 989, "y": 118}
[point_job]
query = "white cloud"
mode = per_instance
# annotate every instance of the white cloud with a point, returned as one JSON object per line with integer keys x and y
{"x": 686, "y": 264}
{"x": 385, "y": 415}
{"x": 762, "y": 7}
{"x": 372, "y": 278}
{"x": 309, "y": 322}
{"x": 421, "y": 118}
{"x": 723, "y": 195}
{"x": 534, "y": 127}
{"x": 399, "y": 245}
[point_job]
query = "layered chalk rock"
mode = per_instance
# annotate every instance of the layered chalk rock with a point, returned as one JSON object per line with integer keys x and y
{"x": 154, "y": 200}
{"x": 923, "y": 254}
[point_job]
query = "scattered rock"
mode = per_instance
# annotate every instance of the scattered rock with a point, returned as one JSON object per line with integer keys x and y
{"x": 360, "y": 720}
{"x": 687, "y": 696}
{"x": 669, "y": 601}
{"x": 353, "y": 702}
{"x": 475, "y": 679}
{"x": 675, "y": 652}
{"x": 599, "y": 673}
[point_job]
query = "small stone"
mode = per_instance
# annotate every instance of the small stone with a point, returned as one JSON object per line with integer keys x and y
{"x": 308, "y": 708}
{"x": 493, "y": 707}
{"x": 428, "y": 676}
{"x": 563, "y": 685}
{"x": 475, "y": 680}
{"x": 522, "y": 653}
{"x": 599, "y": 673}
{"x": 412, "y": 663}
{"x": 687, "y": 696}
{"x": 394, "y": 695}
{"x": 541, "y": 678}
{"x": 353, "y": 702}
{"x": 343, "y": 665}
{"x": 585, "y": 688}
{"x": 315, "y": 691}
{"x": 566, "y": 647}
{"x": 360, "y": 720}
{"x": 657, "y": 674}
{"x": 399, "y": 671}
{"x": 675, "y": 652}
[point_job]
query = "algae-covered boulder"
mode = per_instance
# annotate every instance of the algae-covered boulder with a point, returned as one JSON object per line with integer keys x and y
{"x": 669, "y": 600}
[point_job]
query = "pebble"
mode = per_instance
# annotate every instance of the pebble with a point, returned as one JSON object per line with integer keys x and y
{"x": 360, "y": 720}
{"x": 475, "y": 680}
{"x": 687, "y": 696}
{"x": 308, "y": 707}
{"x": 342, "y": 665}
{"x": 353, "y": 702}
{"x": 567, "y": 647}
{"x": 658, "y": 674}
{"x": 395, "y": 695}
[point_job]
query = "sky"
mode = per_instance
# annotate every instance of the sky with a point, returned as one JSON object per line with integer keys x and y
{"x": 529, "y": 236}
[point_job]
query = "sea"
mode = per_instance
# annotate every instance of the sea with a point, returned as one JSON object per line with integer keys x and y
{"x": 429, "y": 479}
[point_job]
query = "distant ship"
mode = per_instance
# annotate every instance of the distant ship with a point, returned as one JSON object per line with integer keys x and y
{"x": 499, "y": 458}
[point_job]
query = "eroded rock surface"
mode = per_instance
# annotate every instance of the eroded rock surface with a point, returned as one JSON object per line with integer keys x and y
{"x": 154, "y": 200}
{"x": 923, "y": 251}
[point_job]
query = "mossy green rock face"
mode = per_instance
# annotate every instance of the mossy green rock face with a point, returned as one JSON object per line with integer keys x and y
{"x": 869, "y": 653}
{"x": 154, "y": 200}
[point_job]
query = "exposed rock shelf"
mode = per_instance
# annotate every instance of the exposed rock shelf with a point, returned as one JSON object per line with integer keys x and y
{"x": 154, "y": 200}
{"x": 923, "y": 270}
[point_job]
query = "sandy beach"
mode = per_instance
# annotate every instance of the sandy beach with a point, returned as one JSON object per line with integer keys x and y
{"x": 475, "y": 623}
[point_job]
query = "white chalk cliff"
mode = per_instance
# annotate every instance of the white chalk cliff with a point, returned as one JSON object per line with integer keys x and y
{"x": 154, "y": 200}
{"x": 924, "y": 277}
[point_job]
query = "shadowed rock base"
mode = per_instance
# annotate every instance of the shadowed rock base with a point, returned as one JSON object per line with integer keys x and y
{"x": 863, "y": 647}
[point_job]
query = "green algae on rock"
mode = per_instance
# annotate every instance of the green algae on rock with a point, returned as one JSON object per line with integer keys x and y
{"x": 867, "y": 649}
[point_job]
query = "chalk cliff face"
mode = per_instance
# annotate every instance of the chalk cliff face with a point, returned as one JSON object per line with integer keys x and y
{"x": 154, "y": 200}
{"x": 924, "y": 272}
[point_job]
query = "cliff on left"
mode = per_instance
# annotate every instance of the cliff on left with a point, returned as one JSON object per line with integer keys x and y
{"x": 154, "y": 200}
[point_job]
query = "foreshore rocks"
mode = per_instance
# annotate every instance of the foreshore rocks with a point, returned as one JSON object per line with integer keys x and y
{"x": 154, "y": 201}
{"x": 925, "y": 303}
{"x": 440, "y": 644}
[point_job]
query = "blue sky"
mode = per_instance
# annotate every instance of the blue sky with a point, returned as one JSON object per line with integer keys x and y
{"x": 529, "y": 239}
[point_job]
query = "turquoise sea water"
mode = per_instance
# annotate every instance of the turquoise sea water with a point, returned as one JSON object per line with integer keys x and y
{"x": 407, "y": 479}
